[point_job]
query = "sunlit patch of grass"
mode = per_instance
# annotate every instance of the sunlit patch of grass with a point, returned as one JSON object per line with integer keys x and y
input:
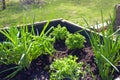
{"x": 52, "y": 9}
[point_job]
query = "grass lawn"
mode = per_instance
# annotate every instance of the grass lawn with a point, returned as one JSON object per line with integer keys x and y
{"x": 72, "y": 10}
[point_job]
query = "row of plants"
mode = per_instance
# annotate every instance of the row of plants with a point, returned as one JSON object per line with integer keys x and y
{"x": 72, "y": 41}
{"x": 23, "y": 46}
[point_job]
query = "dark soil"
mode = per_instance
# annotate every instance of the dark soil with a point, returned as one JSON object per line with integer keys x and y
{"x": 39, "y": 68}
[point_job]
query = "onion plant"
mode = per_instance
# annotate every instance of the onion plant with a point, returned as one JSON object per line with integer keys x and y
{"x": 22, "y": 46}
{"x": 106, "y": 50}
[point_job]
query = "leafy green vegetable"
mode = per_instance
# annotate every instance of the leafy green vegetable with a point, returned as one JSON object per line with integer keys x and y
{"x": 66, "y": 68}
{"x": 74, "y": 41}
{"x": 60, "y": 33}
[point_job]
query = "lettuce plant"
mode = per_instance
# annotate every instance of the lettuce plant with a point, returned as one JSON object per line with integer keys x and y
{"x": 66, "y": 68}
{"x": 74, "y": 41}
{"x": 60, "y": 33}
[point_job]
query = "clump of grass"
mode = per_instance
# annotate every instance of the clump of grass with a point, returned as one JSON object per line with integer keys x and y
{"x": 106, "y": 51}
{"x": 22, "y": 46}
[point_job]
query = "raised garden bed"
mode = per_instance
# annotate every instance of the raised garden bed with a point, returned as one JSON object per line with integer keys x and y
{"x": 39, "y": 68}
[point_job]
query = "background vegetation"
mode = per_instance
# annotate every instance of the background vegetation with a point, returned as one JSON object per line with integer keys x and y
{"x": 72, "y": 10}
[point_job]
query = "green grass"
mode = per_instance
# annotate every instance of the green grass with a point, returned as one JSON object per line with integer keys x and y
{"x": 72, "y": 10}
